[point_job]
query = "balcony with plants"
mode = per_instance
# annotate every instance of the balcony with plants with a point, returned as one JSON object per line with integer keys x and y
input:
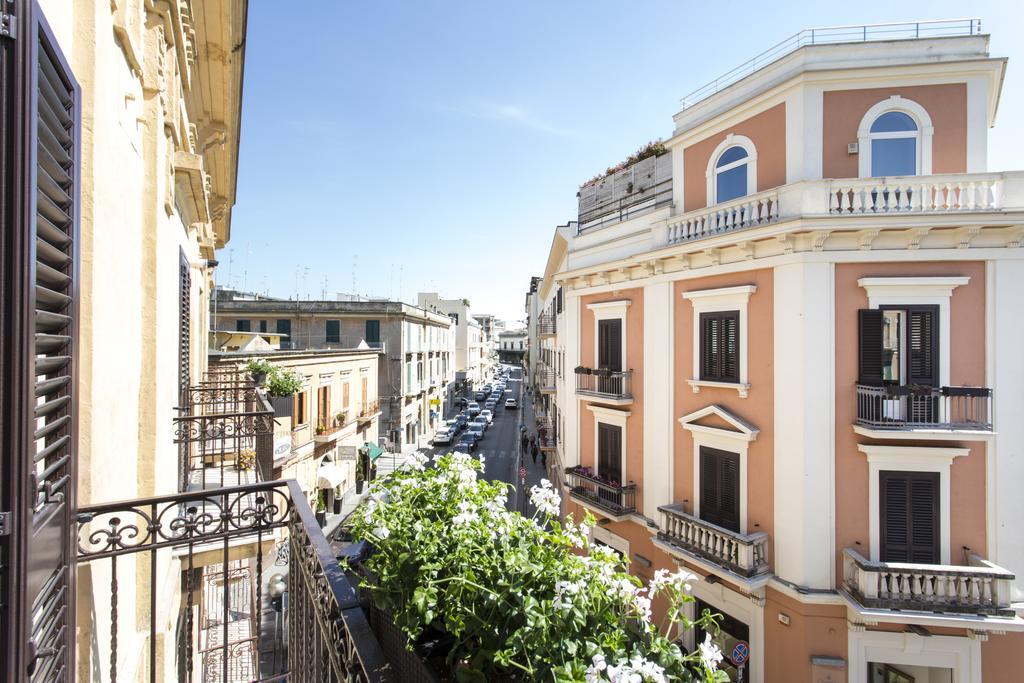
{"x": 637, "y": 186}
{"x": 608, "y": 497}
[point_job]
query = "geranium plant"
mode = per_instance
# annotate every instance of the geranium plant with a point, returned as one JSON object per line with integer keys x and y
{"x": 525, "y": 598}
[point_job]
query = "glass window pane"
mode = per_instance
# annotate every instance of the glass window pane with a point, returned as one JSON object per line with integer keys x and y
{"x": 732, "y": 184}
{"x": 893, "y": 122}
{"x": 894, "y": 156}
{"x": 891, "y": 362}
{"x": 730, "y": 155}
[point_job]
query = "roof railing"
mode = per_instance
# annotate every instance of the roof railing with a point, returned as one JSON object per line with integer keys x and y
{"x": 863, "y": 33}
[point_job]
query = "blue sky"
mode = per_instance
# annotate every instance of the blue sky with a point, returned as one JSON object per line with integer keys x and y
{"x": 433, "y": 146}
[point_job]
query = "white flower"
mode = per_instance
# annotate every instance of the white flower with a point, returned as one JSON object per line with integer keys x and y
{"x": 545, "y": 498}
{"x": 710, "y": 655}
{"x": 467, "y": 514}
{"x": 483, "y": 461}
{"x": 381, "y": 532}
{"x": 643, "y": 607}
{"x": 680, "y": 581}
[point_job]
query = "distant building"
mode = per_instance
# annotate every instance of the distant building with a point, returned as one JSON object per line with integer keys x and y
{"x": 473, "y": 358}
{"x": 512, "y": 346}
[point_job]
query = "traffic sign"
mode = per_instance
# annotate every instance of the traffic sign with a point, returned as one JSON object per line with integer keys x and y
{"x": 740, "y": 653}
{"x": 523, "y": 472}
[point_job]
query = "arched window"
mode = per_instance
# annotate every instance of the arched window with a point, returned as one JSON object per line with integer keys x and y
{"x": 894, "y": 144}
{"x": 895, "y": 139}
{"x": 732, "y": 169}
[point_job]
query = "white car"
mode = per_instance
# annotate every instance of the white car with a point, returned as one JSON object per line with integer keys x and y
{"x": 511, "y": 403}
{"x": 442, "y": 436}
{"x": 488, "y": 414}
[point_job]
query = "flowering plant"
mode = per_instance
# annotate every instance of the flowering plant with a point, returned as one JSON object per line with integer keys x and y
{"x": 524, "y": 598}
{"x": 247, "y": 459}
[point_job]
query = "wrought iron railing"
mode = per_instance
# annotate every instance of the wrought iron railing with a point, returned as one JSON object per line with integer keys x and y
{"x": 225, "y": 434}
{"x": 369, "y": 409}
{"x": 611, "y": 384}
{"x": 925, "y": 407}
{"x": 744, "y": 554}
{"x": 546, "y": 324}
{"x": 612, "y": 497}
{"x": 204, "y": 554}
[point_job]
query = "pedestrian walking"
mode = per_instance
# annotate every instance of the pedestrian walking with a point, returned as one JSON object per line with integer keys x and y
{"x": 533, "y": 452}
{"x": 544, "y": 460}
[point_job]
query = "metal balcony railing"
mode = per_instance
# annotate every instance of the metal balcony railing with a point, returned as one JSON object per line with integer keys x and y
{"x": 978, "y": 588}
{"x": 368, "y": 409}
{"x": 229, "y": 626}
{"x": 602, "y": 383}
{"x": 925, "y": 407}
{"x": 225, "y": 434}
{"x": 546, "y": 324}
{"x": 744, "y": 554}
{"x": 588, "y": 489}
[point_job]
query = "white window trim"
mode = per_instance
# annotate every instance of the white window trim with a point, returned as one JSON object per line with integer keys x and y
{"x": 962, "y": 655}
{"x": 909, "y": 459}
{"x": 925, "y": 132}
{"x": 617, "y": 418}
{"x": 712, "y": 301}
{"x": 748, "y": 609}
{"x": 610, "y": 310}
{"x": 732, "y": 140}
{"x": 599, "y": 533}
{"x": 722, "y": 439}
{"x": 918, "y": 291}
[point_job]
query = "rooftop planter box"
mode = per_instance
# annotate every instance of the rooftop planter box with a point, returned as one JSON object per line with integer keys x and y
{"x": 638, "y": 188}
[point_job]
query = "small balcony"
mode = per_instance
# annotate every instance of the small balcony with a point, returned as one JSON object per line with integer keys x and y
{"x": 608, "y": 498}
{"x": 745, "y": 555}
{"x": 546, "y": 437}
{"x": 909, "y": 411}
{"x": 368, "y": 411}
{"x": 546, "y": 379}
{"x": 329, "y": 434}
{"x": 546, "y": 325}
{"x": 607, "y": 386}
{"x": 979, "y": 588}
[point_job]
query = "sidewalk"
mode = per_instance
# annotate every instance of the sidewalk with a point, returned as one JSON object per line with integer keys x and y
{"x": 535, "y": 470}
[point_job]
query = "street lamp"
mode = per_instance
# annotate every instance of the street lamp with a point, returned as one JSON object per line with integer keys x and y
{"x": 277, "y": 586}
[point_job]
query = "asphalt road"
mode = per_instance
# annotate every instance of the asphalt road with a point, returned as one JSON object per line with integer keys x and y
{"x": 500, "y": 445}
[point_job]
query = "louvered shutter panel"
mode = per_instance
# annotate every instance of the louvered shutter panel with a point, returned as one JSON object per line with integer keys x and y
{"x": 923, "y": 345}
{"x": 924, "y": 518}
{"x": 720, "y": 488}
{"x": 730, "y": 351}
{"x": 184, "y": 330}
{"x": 894, "y": 517}
{"x": 870, "y": 334}
{"x": 709, "y": 476}
{"x": 609, "y": 344}
{"x": 909, "y": 517}
{"x": 710, "y": 336}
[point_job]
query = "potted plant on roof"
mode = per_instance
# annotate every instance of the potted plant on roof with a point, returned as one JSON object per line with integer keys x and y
{"x": 258, "y": 369}
{"x": 280, "y": 386}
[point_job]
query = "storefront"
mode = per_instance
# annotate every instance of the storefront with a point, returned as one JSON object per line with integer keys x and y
{"x": 733, "y": 639}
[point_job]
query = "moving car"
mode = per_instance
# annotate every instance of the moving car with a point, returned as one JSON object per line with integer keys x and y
{"x": 462, "y": 421}
{"x": 476, "y": 430}
{"x": 443, "y": 436}
{"x": 453, "y": 426}
{"x": 487, "y": 414}
{"x": 511, "y": 403}
{"x": 473, "y": 409}
{"x": 480, "y": 420}
{"x": 466, "y": 443}
{"x": 480, "y": 395}
{"x": 461, "y": 401}
{"x": 489, "y": 406}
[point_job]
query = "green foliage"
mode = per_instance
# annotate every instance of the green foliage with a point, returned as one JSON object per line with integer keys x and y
{"x": 258, "y": 366}
{"x": 654, "y": 148}
{"x": 282, "y": 382}
{"x": 526, "y": 598}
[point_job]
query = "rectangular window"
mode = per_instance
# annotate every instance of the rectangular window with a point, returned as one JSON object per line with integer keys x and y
{"x": 720, "y": 488}
{"x": 372, "y": 331}
{"x": 609, "y": 344}
{"x": 243, "y": 326}
{"x": 720, "y": 346}
{"x": 909, "y": 516}
{"x": 300, "y": 409}
{"x": 263, "y": 326}
{"x": 345, "y": 396}
{"x": 333, "y": 332}
{"x": 284, "y": 327}
{"x": 323, "y": 407}
{"x": 609, "y": 460}
{"x": 899, "y": 346}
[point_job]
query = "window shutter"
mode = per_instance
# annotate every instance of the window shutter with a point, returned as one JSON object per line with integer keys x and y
{"x": 609, "y": 451}
{"x": 720, "y": 488}
{"x": 730, "y": 350}
{"x": 609, "y": 344}
{"x": 333, "y": 331}
{"x": 39, "y": 283}
{"x": 709, "y": 494}
{"x": 184, "y": 330}
{"x": 923, "y": 345}
{"x": 720, "y": 346}
{"x": 909, "y": 517}
{"x": 870, "y": 333}
{"x": 711, "y": 335}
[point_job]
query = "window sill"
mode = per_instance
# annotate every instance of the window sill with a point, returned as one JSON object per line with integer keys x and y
{"x": 740, "y": 387}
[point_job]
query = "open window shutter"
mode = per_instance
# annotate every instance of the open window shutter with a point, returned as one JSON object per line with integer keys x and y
{"x": 730, "y": 350}
{"x": 39, "y": 260}
{"x": 870, "y": 333}
{"x": 923, "y": 345}
{"x": 710, "y": 340}
{"x": 709, "y": 494}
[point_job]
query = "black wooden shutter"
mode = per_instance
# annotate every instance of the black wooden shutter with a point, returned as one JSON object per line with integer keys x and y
{"x": 923, "y": 345}
{"x": 333, "y": 331}
{"x": 609, "y": 451}
{"x": 39, "y": 179}
{"x": 609, "y": 344}
{"x": 720, "y": 488}
{"x": 243, "y": 325}
{"x": 909, "y": 517}
{"x": 870, "y": 334}
{"x": 372, "y": 331}
{"x": 720, "y": 346}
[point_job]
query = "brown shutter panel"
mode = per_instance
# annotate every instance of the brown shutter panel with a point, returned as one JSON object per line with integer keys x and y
{"x": 730, "y": 353}
{"x": 909, "y": 517}
{"x": 894, "y": 517}
{"x": 609, "y": 344}
{"x": 720, "y": 488}
{"x": 870, "y": 333}
{"x": 710, "y": 335}
{"x": 923, "y": 345}
{"x": 924, "y": 517}
{"x": 709, "y": 476}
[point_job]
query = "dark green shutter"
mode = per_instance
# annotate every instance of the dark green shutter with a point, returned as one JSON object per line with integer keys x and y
{"x": 333, "y": 331}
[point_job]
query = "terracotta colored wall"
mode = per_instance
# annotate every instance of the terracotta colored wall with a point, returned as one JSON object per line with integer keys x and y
{"x": 756, "y": 408}
{"x": 767, "y": 130}
{"x": 1000, "y": 658}
{"x": 812, "y": 630}
{"x": 946, "y": 104}
{"x": 634, "y": 340}
{"x": 967, "y": 366}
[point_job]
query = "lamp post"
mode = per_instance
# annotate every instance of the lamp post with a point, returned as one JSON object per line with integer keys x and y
{"x": 277, "y": 586}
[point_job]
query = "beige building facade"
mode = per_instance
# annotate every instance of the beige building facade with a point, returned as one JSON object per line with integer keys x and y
{"x": 795, "y": 374}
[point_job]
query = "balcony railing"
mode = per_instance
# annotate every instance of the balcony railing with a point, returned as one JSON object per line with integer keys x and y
{"x": 225, "y": 434}
{"x": 368, "y": 410}
{"x": 546, "y": 436}
{"x": 979, "y": 588}
{"x": 924, "y": 407}
{"x": 546, "y": 378}
{"x": 744, "y": 554}
{"x": 608, "y": 384}
{"x": 916, "y": 194}
{"x": 329, "y": 433}
{"x": 611, "y": 497}
{"x": 745, "y": 212}
{"x": 640, "y": 188}
{"x": 546, "y": 324}
{"x": 227, "y": 626}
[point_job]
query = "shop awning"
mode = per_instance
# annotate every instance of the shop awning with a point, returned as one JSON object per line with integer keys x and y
{"x": 329, "y": 476}
{"x": 372, "y": 450}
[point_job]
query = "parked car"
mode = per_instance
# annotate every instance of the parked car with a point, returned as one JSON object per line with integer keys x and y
{"x": 453, "y": 425}
{"x": 462, "y": 421}
{"x": 511, "y": 403}
{"x": 480, "y": 420}
{"x": 476, "y": 430}
{"x": 461, "y": 401}
{"x": 480, "y": 395}
{"x": 473, "y": 409}
{"x": 466, "y": 443}
{"x": 489, "y": 414}
{"x": 443, "y": 436}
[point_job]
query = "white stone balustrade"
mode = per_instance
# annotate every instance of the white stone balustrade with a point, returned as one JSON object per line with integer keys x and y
{"x": 745, "y": 554}
{"x": 916, "y": 194}
{"x": 978, "y": 588}
{"x": 745, "y": 212}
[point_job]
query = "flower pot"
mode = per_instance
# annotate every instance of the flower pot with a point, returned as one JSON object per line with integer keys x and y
{"x": 321, "y": 518}
{"x": 282, "y": 405}
{"x": 259, "y": 378}
{"x": 359, "y": 486}
{"x": 337, "y": 506}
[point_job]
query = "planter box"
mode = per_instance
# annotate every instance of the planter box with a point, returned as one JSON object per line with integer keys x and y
{"x": 282, "y": 405}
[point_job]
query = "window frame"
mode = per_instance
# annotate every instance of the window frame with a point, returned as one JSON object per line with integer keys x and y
{"x": 924, "y": 135}
{"x": 718, "y": 301}
{"x": 711, "y": 173}
{"x": 722, "y": 350}
{"x": 614, "y": 418}
{"x": 330, "y": 338}
{"x": 611, "y": 310}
